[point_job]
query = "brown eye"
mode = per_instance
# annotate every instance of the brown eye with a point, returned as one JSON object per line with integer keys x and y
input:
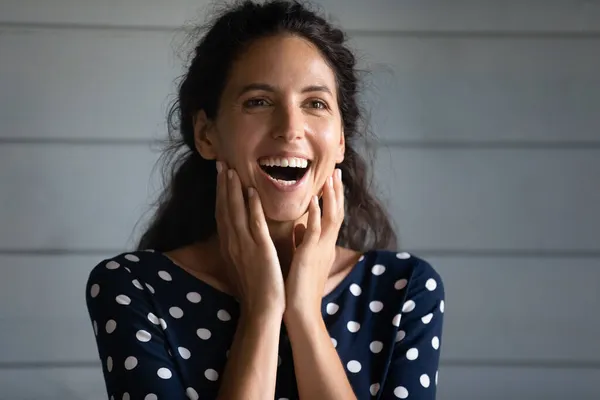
{"x": 256, "y": 103}
{"x": 318, "y": 104}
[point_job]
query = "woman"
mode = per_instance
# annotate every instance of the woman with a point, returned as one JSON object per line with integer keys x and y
{"x": 269, "y": 275}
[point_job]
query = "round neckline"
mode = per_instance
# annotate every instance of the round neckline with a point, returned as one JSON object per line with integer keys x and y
{"x": 340, "y": 287}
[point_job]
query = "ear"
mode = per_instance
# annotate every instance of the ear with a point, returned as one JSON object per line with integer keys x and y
{"x": 204, "y": 137}
{"x": 341, "y": 149}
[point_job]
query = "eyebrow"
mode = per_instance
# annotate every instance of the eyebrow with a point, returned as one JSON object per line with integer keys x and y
{"x": 268, "y": 88}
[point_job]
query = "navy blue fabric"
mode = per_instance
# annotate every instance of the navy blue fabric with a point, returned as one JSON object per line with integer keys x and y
{"x": 164, "y": 334}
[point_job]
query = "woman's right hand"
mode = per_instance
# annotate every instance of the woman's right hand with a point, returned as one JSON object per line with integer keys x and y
{"x": 252, "y": 263}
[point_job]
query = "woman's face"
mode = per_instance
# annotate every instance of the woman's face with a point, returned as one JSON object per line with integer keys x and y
{"x": 279, "y": 124}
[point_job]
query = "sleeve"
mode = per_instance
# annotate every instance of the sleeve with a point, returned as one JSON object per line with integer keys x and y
{"x": 413, "y": 371}
{"x": 131, "y": 342}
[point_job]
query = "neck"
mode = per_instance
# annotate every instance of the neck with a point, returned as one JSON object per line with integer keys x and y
{"x": 282, "y": 234}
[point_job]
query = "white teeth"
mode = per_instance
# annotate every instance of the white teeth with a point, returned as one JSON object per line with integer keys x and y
{"x": 293, "y": 162}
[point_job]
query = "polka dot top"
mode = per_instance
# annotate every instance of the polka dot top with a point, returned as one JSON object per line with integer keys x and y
{"x": 164, "y": 334}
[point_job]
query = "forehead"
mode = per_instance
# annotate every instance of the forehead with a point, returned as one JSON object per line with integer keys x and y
{"x": 284, "y": 61}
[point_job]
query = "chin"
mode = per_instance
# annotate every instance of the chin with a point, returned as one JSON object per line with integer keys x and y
{"x": 283, "y": 212}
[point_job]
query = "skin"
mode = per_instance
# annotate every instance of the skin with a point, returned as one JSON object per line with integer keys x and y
{"x": 275, "y": 250}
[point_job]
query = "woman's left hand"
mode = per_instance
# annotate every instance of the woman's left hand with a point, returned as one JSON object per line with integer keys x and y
{"x": 315, "y": 253}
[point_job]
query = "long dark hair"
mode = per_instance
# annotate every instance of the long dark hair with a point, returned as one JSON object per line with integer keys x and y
{"x": 186, "y": 208}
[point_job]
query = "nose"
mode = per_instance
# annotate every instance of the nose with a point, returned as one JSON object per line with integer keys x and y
{"x": 290, "y": 123}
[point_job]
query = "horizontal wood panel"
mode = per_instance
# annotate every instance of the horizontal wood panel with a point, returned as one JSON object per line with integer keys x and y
{"x": 465, "y": 383}
{"x": 107, "y": 85}
{"x": 434, "y": 15}
{"x": 497, "y": 309}
{"x": 80, "y": 197}
{"x": 495, "y": 200}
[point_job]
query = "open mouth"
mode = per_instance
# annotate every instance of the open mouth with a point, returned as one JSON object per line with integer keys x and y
{"x": 285, "y": 171}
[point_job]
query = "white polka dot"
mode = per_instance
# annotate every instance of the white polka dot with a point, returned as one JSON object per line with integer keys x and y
{"x": 376, "y": 346}
{"x": 435, "y": 342}
{"x": 193, "y": 297}
{"x": 126, "y": 396}
{"x": 400, "y": 284}
{"x": 112, "y": 397}
{"x": 149, "y": 250}
{"x": 95, "y": 328}
{"x": 427, "y": 318}
{"x": 124, "y": 300}
{"x": 355, "y": 289}
{"x": 401, "y": 392}
{"x": 176, "y": 312}
{"x": 153, "y": 318}
{"x": 192, "y": 394}
{"x": 431, "y": 284}
{"x": 109, "y": 363}
{"x": 112, "y": 265}
{"x": 332, "y": 308}
{"x": 376, "y": 306}
{"x": 143, "y": 336}
{"x": 203, "y": 334}
{"x": 127, "y": 269}
{"x": 130, "y": 363}
{"x": 354, "y": 366}
{"x": 400, "y": 335}
{"x": 137, "y": 284}
{"x": 223, "y": 315}
{"x": 150, "y": 288}
{"x": 408, "y": 306}
{"x": 334, "y": 342}
{"x": 353, "y": 326}
{"x": 163, "y": 323}
{"x": 95, "y": 289}
{"x": 111, "y": 325}
{"x": 412, "y": 354}
{"x": 164, "y": 373}
{"x": 151, "y": 396}
{"x": 436, "y": 377}
{"x": 378, "y": 269}
{"x": 132, "y": 257}
{"x": 442, "y": 305}
{"x": 396, "y": 320}
{"x": 361, "y": 258}
{"x": 164, "y": 275}
{"x": 184, "y": 353}
{"x": 403, "y": 256}
{"x": 424, "y": 379}
{"x": 374, "y": 389}
{"x": 211, "y": 374}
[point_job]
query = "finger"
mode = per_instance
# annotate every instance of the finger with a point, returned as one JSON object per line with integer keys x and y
{"x": 313, "y": 225}
{"x": 338, "y": 187}
{"x": 329, "y": 206}
{"x": 221, "y": 215}
{"x": 237, "y": 207}
{"x": 256, "y": 218}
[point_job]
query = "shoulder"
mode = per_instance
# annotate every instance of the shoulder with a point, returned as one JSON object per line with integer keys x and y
{"x": 402, "y": 265}
{"x": 122, "y": 269}
{"x": 403, "y": 275}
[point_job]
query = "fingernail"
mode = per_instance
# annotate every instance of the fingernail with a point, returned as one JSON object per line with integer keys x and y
{"x": 330, "y": 181}
{"x": 230, "y": 173}
{"x": 219, "y": 167}
{"x": 338, "y": 173}
{"x": 250, "y": 192}
{"x": 316, "y": 200}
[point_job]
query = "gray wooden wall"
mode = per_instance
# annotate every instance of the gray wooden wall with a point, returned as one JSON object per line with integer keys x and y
{"x": 489, "y": 118}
